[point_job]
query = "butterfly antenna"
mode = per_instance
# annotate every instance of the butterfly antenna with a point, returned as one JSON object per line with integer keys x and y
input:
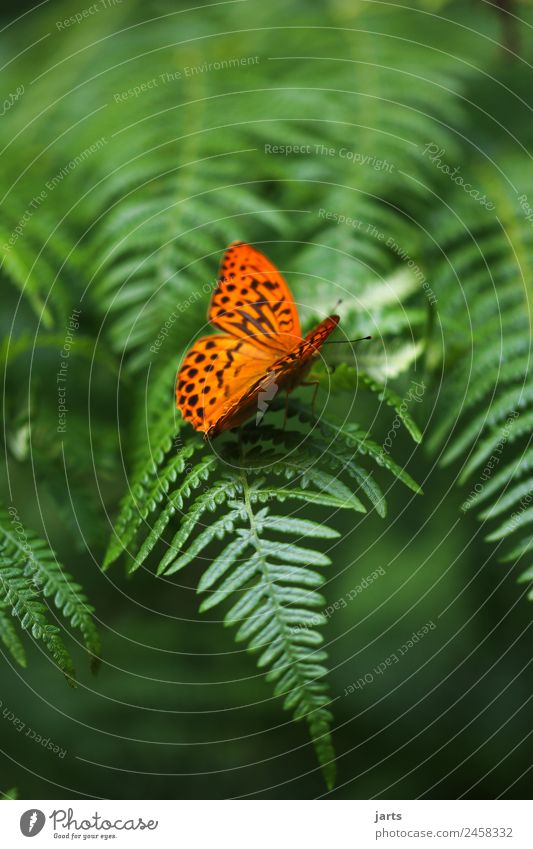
{"x": 345, "y": 341}
{"x": 348, "y": 341}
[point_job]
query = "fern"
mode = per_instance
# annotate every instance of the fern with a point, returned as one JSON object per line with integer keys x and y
{"x": 9, "y": 636}
{"x": 276, "y": 615}
{"x": 200, "y": 175}
{"x": 29, "y": 572}
{"x": 278, "y": 608}
{"x": 134, "y": 235}
{"x": 20, "y": 595}
{"x": 491, "y": 344}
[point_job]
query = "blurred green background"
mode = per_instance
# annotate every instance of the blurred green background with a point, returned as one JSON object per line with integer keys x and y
{"x": 178, "y": 710}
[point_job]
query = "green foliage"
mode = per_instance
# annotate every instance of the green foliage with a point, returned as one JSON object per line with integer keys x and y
{"x": 30, "y": 574}
{"x": 133, "y": 232}
{"x": 9, "y": 636}
{"x": 198, "y": 175}
{"x": 228, "y": 495}
{"x": 487, "y": 400}
{"x": 346, "y": 378}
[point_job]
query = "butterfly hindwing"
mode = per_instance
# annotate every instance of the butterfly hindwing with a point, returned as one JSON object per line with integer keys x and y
{"x": 223, "y": 378}
{"x": 214, "y": 374}
{"x": 252, "y": 301}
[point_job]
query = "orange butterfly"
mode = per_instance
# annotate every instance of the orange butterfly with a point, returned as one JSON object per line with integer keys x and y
{"x": 227, "y": 377}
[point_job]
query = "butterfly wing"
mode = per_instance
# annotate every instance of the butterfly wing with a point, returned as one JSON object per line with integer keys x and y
{"x": 281, "y": 376}
{"x": 214, "y": 375}
{"x": 223, "y": 380}
{"x": 253, "y": 302}
{"x": 224, "y": 377}
{"x": 316, "y": 337}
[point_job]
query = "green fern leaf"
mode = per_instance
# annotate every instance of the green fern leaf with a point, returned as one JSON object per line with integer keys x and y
{"x": 18, "y": 593}
{"x": 40, "y": 569}
{"x": 199, "y": 473}
{"x": 10, "y": 639}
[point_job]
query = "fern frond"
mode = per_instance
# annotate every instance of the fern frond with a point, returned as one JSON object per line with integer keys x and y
{"x": 332, "y": 454}
{"x": 351, "y": 437}
{"x": 304, "y": 471}
{"x": 10, "y": 638}
{"x": 491, "y": 341}
{"x": 279, "y": 606}
{"x": 31, "y": 570}
{"x": 498, "y": 481}
{"x": 276, "y": 615}
{"x": 209, "y": 501}
{"x": 346, "y": 378}
{"x": 18, "y": 593}
{"x": 176, "y": 500}
{"x": 142, "y": 499}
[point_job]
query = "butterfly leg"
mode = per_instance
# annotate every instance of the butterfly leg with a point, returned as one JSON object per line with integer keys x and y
{"x": 316, "y": 384}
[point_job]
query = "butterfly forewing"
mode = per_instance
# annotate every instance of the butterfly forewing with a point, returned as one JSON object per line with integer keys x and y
{"x": 318, "y": 335}
{"x": 252, "y": 301}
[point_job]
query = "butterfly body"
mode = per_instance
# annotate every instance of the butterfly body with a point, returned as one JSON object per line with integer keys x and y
{"x": 228, "y": 377}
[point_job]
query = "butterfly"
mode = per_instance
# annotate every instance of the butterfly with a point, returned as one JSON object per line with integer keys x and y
{"x": 227, "y": 377}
